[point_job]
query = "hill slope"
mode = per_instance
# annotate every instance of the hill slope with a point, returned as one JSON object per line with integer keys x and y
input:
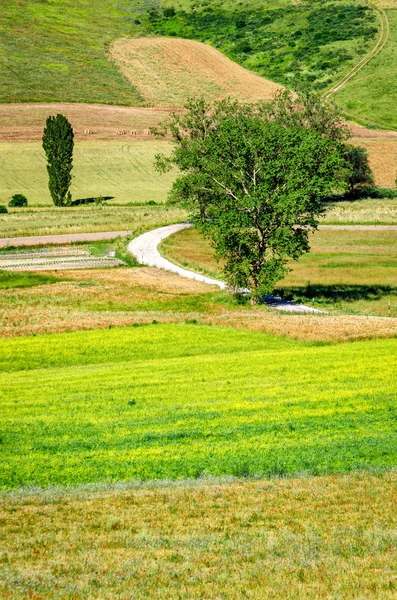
{"x": 59, "y": 51}
{"x": 168, "y": 71}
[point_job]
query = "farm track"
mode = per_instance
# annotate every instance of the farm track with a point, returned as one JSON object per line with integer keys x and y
{"x": 145, "y": 249}
{"x": 383, "y": 39}
{"x": 98, "y": 236}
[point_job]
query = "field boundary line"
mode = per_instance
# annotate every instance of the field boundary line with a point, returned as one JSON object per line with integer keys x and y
{"x": 382, "y": 41}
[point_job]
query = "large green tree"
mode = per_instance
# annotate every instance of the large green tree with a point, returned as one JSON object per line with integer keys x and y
{"x": 58, "y": 143}
{"x": 254, "y": 184}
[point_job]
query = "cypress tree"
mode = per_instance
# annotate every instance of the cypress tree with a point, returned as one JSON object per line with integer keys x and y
{"x": 58, "y": 145}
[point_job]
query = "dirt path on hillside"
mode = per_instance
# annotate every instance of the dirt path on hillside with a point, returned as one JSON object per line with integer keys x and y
{"x": 383, "y": 39}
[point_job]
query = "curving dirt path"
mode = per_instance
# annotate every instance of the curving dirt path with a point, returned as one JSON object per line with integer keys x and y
{"x": 145, "y": 250}
{"x": 383, "y": 39}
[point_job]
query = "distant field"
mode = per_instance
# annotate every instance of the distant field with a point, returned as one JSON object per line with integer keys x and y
{"x": 82, "y": 219}
{"x": 371, "y": 96}
{"x": 122, "y": 170}
{"x": 149, "y": 402}
{"x": 345, "y": 270}
{"x": 306, "y": 538}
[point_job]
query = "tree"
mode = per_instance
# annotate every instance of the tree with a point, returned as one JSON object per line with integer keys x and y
{"x": 253, "y": 184}
{"x": 58, "y": 145}
{"x": 361, "y": 177}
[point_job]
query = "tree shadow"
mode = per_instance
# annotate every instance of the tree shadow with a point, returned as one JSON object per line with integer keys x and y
{"x": 336, "y": 293}
{"x": 93, "y": 200}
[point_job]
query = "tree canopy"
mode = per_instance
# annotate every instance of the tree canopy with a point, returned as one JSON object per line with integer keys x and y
{"x": 58, "y": 143}
{"x": 254, "y": 183}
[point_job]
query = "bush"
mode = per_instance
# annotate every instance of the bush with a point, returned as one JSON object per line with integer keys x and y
{"x": 379, "y": 192}
{"x": 18, "y": 200}
{"x": 3, "y": 209}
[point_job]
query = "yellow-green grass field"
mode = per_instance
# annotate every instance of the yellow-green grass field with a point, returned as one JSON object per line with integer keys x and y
{"x": 348, "y": 271}
{"x": 183, "y": 401}
{"x": 322, "y": 537}
{"x": 122, "y": 171}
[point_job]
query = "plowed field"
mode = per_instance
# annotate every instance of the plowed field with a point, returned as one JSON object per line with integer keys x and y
{"x": 168, "y": 71}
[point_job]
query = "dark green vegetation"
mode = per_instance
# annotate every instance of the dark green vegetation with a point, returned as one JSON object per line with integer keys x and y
{"x": 17, "y": 201}
{"x": 175, "y": 401}
{"x": 311, "y": 42}
{"x": 58, "y": 143}
{"x": 58, "y": 51}
{"x": 18, "y": 280}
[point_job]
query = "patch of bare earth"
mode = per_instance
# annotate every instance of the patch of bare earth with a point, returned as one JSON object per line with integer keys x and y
{"x": 25, "y": 122}
{"x": 167, "y": 72}
{"x": 382, "y": 154}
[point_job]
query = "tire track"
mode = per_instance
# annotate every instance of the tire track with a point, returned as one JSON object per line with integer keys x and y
{"x": 383, "y": 39}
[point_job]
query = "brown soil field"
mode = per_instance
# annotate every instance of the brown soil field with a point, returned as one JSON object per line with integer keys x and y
{"x": 382, "y": 158}
{"x": 167, "y": 72}
{"x": 25, "y": 122}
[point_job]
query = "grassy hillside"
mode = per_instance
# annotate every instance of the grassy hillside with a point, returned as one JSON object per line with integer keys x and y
{"x": 59, "y": 51}
{"x": 371, "y": 95}
{"x": 176, "y": 401}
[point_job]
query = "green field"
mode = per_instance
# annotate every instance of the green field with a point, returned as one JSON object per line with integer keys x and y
{"x": 180, "y": 401}
{"x": 371, "y": 95}
{"x": 121, "y": 171}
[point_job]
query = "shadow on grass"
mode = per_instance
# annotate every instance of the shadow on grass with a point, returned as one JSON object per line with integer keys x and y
{"x": 336, "y": 293}
{"x": 93, "y": 200}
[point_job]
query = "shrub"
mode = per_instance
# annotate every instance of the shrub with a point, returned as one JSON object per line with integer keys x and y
{"x": 3, "y": 209}
{"x": 379, "y": 192}
{"x": 18, "y": 200}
